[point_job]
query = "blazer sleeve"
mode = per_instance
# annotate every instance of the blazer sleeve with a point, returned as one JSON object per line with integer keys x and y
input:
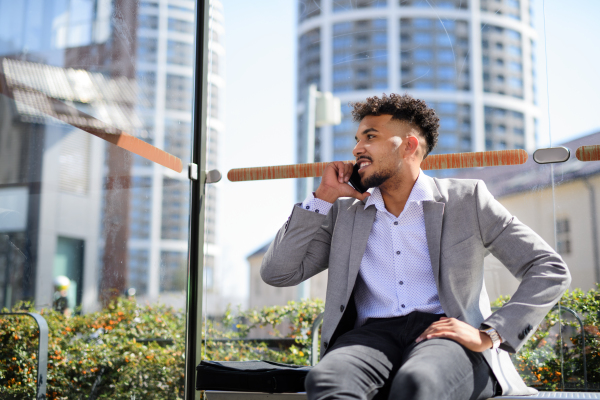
{"x": 542, "y": 273}
{"x": 300, "y": 248}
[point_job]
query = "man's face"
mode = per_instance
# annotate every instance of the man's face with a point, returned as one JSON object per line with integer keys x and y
{"x": 380, "y": 148}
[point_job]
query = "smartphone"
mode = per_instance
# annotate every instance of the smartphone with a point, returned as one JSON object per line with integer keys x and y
{"x": 355, "y": 180}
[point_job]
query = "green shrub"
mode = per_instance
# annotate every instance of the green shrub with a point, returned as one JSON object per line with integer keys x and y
{"x": 106, "y": 344}
{"x": 296, "y": 318}
{"x": 103, "y": 344}
{"x": 539, "y": 361}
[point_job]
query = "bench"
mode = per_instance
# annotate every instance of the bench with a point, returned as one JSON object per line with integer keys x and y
{"x": 223, "y": 395}
{"x": 232, "y": 395}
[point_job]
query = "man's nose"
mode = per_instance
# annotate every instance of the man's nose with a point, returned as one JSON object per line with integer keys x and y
{"x": 358, "y": 149}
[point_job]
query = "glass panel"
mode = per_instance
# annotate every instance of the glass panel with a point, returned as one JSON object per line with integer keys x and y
{"x": 480, "y": 69}
{"x": 96, "y": 115}
{"x": 254, "y": 112}
{"x": 576, "y": 185}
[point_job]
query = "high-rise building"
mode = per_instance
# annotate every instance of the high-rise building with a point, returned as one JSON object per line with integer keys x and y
{"x": 147, "y": 45}
{"x": 471, "y": 60}
{"x": 164, "y": 71}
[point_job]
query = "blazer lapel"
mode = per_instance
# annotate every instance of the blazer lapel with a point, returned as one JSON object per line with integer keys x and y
{"x": 433, "y": 213}
{"x": 363, "y": 222}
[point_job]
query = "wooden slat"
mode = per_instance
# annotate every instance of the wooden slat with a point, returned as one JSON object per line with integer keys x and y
{"x": 477, "y": 159}
{"x": 588, "y": 153}
{"x": 437, "y": 161}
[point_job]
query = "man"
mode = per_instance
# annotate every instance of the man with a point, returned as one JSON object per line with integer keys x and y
{"x": 406, "y": 311}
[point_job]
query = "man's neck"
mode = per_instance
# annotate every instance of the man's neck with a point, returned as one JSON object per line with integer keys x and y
{"x": 396, "y": 192}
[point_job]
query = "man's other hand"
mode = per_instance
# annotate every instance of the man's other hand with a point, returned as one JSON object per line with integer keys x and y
{"x": 460, "y": 332}
{"x": 334, "y": 183}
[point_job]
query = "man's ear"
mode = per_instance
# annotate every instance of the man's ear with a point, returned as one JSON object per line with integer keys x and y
{"x": 412, "y": 146}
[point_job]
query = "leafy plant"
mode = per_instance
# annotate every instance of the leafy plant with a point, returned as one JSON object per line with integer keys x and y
{"x": 553, "y": 358}
{"x": 108, "y": 352}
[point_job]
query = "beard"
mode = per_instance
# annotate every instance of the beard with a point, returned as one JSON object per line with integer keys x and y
{"x": 377, "y": 179}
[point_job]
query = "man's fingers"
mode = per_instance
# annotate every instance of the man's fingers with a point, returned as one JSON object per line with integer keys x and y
{"x": 348, "y": 168}
{"x": 444, "y": 334}
{"x": 360, "y": 196}
{"x": 436, "y": 327}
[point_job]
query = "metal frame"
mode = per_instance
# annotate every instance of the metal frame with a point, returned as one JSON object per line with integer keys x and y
{"x": 562, "y": 309}
{"x": 42, "y": 354}
{"x": 193, "y": 332}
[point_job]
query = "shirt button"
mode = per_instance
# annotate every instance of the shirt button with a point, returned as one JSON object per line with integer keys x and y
{"x": 316, "y": 211}
{"x": 401, "y": 282}
{"x": 395, "y": 222}
{"x": 398, "y": 252}
{"x": 308, "y": 207}
{"x": 342, "y": 308}
{"x": 403, "y": 306}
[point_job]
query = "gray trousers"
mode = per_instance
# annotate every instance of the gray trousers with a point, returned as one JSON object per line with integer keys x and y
{"x": 381, "y": 360}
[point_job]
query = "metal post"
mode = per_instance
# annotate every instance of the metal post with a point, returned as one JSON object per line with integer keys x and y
{"x": 310, "y": 121}
{"x": 193, "y": 333}
{"x": 42, "y": 354}
{"x": 311, "y": 106}
{"x": 594, "y": 228}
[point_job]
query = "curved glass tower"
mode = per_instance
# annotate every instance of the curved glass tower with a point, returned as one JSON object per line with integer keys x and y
{"x": 472, "y": 60}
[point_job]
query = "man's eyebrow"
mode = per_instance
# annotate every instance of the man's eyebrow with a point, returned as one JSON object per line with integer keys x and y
{"x": 365, "y": 132}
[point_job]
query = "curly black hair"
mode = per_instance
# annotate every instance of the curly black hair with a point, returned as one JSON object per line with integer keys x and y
{"x": 404, "y": 108}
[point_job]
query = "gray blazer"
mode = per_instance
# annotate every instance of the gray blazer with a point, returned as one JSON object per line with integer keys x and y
{"x": 463, "y": 225}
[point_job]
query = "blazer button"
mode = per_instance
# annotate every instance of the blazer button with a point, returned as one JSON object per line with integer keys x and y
{"x": 341, "y": 308}
{"x": 325, "y": 344}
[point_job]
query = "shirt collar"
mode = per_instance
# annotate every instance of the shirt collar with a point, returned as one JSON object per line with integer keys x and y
{"x": 420, "y": 192}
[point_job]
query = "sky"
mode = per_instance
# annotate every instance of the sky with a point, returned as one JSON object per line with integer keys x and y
{"x": 259, "y": 111}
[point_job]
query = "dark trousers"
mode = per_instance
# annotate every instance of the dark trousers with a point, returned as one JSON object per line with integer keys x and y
{"x": 381, "y": 360}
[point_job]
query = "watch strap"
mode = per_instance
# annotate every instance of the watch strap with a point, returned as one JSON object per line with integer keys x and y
{"x": 494, "y": 336}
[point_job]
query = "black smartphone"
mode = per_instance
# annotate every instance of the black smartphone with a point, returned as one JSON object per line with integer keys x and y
{"x": 355, "y": 180}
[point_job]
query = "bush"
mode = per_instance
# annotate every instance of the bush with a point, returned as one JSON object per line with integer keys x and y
{"x": 226, "y": 339}
{"x": 104, "y": 348}
{"x": 539, "y": 361}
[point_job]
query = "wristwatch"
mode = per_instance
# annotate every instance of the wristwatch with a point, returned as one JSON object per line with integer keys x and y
{"x": 493, "y": 334}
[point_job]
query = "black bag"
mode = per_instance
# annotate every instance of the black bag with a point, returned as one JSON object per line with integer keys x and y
{"x": 251, "y": 376}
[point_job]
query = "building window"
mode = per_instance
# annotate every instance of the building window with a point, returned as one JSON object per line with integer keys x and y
{"x": 423, "y": 55}
{"x": 448, "y": 124}
{"x": 516, "y": 83}
{"x": 342, "y": 27}
{"x": 448, "y": 141}
{"x": 445, "y": 39}
{"x": 516, "y": 66}
{"x": 445, "y": 56}
{"x": 447, "y": 108}
{"x": 563, "y": 236}
{"x": 424, "y": 23}
{"x": 421, "y": 70}
{"x": 380, "y": 72}
{"x": 380, "y": 38}
{"x": 514, "y": 51}
{"x": 446, "y": 73}
{"x": 342, "y": 42}
{"x": 423, "y": 38}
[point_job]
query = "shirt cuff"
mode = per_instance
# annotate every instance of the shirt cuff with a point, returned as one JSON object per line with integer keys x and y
{"x": 311, "y": 203}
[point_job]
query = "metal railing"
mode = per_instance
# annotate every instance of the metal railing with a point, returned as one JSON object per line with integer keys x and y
{"x": 572, "y": 312}
{"x": 42, "y": 353}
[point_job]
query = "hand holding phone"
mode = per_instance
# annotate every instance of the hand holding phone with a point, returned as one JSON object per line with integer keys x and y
{"x": 355, "y": 180}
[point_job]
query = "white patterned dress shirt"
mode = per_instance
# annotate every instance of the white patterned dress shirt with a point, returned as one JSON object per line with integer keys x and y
{"x": 395, "y": 277}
